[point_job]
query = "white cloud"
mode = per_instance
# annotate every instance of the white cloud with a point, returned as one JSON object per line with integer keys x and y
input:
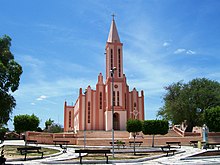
{"x": 166, "y": 44}
{"x": 190, "y": 52}
{"x": 42, "y": 97}
{"x": 33, "y": 104}
{"x": 184, "y": 51}
{"x": 179, "y": 51}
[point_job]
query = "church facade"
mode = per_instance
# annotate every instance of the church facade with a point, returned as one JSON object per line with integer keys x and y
{"x": 93, "y": 109}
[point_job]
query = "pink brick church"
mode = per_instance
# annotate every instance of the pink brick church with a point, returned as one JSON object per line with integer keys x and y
{"x": 93, "y": 108}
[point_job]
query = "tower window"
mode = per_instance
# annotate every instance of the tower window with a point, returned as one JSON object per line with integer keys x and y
{"x": 113, "y": 98}
{"x": 100, "y": 101}
{"x": 117, "y": 98}
{"x": 70, "y": 118}
{"x": 125, "y": 101}
{"x": 89, "y": 112}
{"x": 119, "y": 62}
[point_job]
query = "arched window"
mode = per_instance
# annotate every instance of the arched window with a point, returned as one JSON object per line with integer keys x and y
{"x": 113, "y": 98}
{"x": 89, "y": 112}
{"x": 100, "y": 100}
{"x": 119, "y": 62}
{"x": 117, "y": 98}
{"x": 70, "y": 118}
{"x": 111, "y": 58}
{"x": 125, "y": 101}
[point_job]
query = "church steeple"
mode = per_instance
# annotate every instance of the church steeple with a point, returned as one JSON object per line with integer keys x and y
{"x": 114, "y": 52}
{"x": 113, "y": 33}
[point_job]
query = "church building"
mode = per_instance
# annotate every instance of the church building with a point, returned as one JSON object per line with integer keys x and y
{"x": 94, "y": 107}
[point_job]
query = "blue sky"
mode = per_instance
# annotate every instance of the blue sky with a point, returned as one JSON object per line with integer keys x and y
{"x": 61, "y": 45}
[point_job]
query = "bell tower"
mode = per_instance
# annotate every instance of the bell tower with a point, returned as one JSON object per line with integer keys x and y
{"x": 114, "y": 52}
{"x": 116, "y": 87}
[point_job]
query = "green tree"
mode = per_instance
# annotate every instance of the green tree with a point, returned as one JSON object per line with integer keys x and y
{"x": 48, "y": 123}
{"x": 55, "y": 128}
{"x": 134, "y": 126}
{"x": 154, "y": 127}
{"x": 26, "y": 122}
{"x": 212, "y": 119}
{"x": 3, "y": 130}
{"x": 189, "y": 101}
{"x": 10, "y": 72}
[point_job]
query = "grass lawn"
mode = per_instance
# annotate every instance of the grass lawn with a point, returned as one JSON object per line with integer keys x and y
{"x": 11, "y": 152}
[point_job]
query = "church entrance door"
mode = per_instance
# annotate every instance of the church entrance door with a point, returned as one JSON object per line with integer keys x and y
{"x": 116, "y": 121}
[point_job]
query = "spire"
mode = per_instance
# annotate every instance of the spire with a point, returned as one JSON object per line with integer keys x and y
{"x": 113, "y": 34}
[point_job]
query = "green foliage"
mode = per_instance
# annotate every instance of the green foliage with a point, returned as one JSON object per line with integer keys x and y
{"x": 3, "y": 130}
{"x": 10, "y": 72}
{"x": 26, "y": 122}
{"x": 48, "y": 123}
{"x": 212, "y": 119}
{"x": 189, "y": 101}
{"x": 134, "y": 125}
{"x": 39, "y": 129}
{"x": 55, "y": 128}
{"x": 154, "y": 127}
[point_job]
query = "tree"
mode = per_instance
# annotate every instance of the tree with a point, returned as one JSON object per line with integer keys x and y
{"x": 154, "y": 127}
{"x": 212, "y": 119}
{"x": 3, "y": 130}
{"x": 55, "y": 128}
{"x": 24, "y": 123}
{"x": 10, "y": 72}
{"x": 48, "y": 123}
{"x": 134, "y": 126}
{"x": 189, "y": 101}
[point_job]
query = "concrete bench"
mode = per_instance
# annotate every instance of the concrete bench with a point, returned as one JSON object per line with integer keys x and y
{"x": 136, "y": 142}
{"x": 168, "y": 149}
{"x": 173, "y": 143}
{"x": 212, "y": 145}
{"x": 93, "y": 151}
{"x": 61, "y": 143}
{"x": 25, "y": 150}
{"x": 194, "y": 143}
{"x": 118, "y": 143}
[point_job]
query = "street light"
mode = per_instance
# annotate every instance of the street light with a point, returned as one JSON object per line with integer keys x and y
{"x": 112, "y": 75}
{"x": 85, "y": 120}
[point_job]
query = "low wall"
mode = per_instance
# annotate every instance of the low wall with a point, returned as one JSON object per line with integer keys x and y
{"x": 48, "y": 138}
{"x": 183, "y": 133}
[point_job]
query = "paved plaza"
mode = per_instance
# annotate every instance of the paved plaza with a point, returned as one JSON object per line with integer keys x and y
{"x": 66, "y": 158}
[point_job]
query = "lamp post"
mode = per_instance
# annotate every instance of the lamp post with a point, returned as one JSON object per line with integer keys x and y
{"x": 112, "y": 75}
{"x": 85, "y": 121}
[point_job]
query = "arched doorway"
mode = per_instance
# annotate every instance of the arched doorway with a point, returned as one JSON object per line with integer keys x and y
{"x": 116, "y": 121}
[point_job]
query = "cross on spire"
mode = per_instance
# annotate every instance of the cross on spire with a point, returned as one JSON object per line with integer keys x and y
{"x": 113, "y": 16}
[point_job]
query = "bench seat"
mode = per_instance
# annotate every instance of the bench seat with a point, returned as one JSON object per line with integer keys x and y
{"x": 118, "y": 143}
{"x": 173, "y": 143}
{"x": 93, "y": 151}
{"x": 213, "y": 145}
{"x": 25, "y": 150}
{"x": 168, "y": 149}
{"x": 136, "y": 142}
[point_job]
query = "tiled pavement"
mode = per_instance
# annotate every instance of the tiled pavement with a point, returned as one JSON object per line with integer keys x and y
{"x": 61, "y": 158}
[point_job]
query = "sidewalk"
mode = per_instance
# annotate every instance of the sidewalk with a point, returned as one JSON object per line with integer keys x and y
{"x": 182, "y": 158}
{"x": 64, "y": 158}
